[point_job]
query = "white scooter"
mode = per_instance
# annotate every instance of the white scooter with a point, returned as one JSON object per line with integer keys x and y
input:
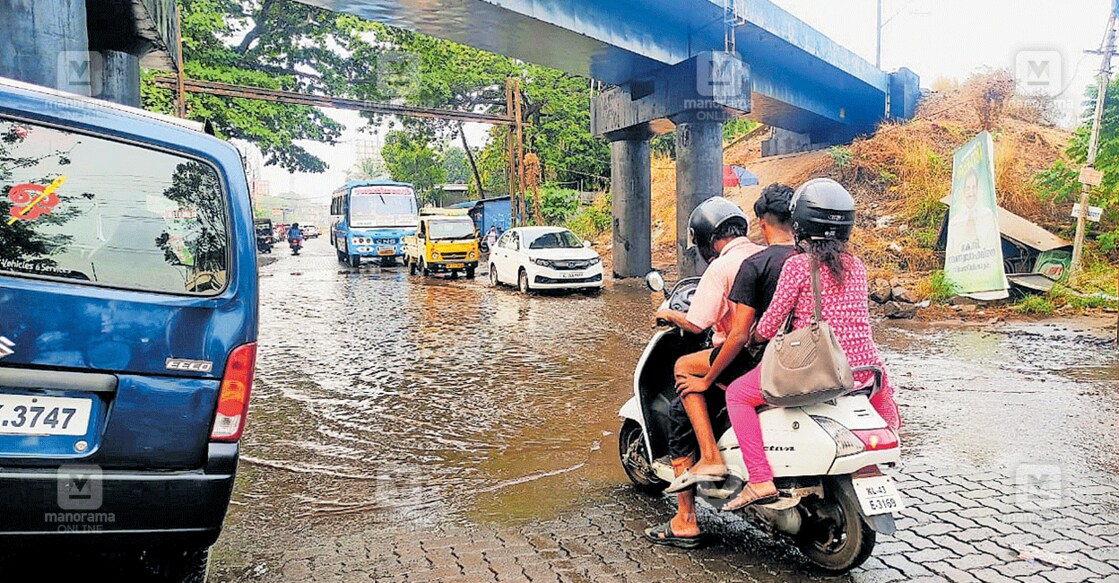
{"x": 825, "y": 457}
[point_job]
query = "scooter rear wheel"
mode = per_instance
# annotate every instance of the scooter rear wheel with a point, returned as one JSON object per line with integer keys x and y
{"x": 635, "y": 459}
{"x": 836, "y": 538}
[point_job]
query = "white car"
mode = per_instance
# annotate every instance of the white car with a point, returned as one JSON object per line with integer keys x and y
{"x": 544, "y": 258}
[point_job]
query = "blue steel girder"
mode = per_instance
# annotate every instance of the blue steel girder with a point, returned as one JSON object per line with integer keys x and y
{"x": 802, "y": 80}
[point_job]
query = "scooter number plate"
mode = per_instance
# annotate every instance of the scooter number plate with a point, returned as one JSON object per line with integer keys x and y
{"x": 877, "y": 495}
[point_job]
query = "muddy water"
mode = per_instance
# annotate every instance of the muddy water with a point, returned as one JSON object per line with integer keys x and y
{"x": 384, "y": 397}
{"x": 431, "y": 400}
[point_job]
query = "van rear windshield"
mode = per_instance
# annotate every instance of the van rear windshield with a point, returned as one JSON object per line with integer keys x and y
{"x": 88, "y": 209}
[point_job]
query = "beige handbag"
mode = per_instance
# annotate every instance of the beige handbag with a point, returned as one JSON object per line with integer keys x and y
{"x": 807, "y": 365}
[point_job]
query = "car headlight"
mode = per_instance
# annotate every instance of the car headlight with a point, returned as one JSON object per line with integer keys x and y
{"x": 542, "y": 262}
{"x": 472, "y": 255}
{"x": 435, "y": 255}
{"x": 596, "y": 260}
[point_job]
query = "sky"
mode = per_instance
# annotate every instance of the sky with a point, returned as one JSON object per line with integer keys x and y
{"x": 934, "y": 38}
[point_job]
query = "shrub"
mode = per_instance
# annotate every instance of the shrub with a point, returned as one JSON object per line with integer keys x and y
{"x": 940, "y": 289}
{"x": 1036, "y": 305}
{"x": 557, "y": 204}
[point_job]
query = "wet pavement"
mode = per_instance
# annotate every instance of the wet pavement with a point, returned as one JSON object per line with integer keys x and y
{"x": 430, "y": 429}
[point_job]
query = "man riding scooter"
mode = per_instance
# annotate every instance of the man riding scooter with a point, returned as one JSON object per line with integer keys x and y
{"x": 718, "y": 229}
{"x": 295, "y": 238}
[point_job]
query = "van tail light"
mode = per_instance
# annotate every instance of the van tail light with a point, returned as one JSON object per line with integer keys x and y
{"x": 233, "y": 399}
{"x": 876, "y": 439}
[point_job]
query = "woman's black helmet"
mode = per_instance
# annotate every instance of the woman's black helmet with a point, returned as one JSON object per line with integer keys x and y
{"x": 823, "y": 209}
{"x": 709, "y": 217}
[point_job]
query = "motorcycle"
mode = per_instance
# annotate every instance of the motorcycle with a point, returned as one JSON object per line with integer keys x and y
{"x": 263, "y": 243}
{"x": 826, "y": 457}
{"x": 296, "y": 245}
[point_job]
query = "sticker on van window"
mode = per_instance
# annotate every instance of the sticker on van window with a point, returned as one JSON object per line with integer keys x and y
{"x": 30, "y": 201}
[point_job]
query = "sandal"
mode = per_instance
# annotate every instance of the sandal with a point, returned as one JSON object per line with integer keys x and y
{"x": 743, "y": 501}
{"x": 688, "y": 479}
{"x": 662, "y": 535}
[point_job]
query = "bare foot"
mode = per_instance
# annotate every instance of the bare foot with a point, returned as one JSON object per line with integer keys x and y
{"x": 709, "y": 469}
{"x": 682, "y": 527}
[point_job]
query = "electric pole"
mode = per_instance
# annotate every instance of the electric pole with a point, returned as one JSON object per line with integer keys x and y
{"x": 1102, "y": 80}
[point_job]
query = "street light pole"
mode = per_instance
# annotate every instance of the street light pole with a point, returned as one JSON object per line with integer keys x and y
{"x": 878, "y": 38}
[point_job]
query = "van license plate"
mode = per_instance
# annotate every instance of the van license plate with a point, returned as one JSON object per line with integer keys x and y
{"x": 386, "y": 251}
{"x": 877, "y": 495}
{"x": 455, "y": 265}
{"x": 39, "y": 415}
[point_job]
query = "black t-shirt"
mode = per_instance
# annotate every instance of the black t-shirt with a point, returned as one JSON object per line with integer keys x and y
{"x": 756, "y": 281}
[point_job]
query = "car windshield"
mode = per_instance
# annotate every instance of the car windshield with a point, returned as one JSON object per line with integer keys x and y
{"x": 451, "y": 230}
{"x": 556, "y": 240}
{"x": 90, "y": 209}
{"x": 372, "y": 208}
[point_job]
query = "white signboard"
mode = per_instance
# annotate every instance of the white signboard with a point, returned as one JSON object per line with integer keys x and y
{"x": 1094, "y": 213}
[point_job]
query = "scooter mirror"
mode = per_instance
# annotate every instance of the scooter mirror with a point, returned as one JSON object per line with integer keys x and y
{"x": 655, "y": 281}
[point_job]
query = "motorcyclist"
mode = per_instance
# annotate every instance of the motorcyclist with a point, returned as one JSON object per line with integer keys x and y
{"x": 295, "y": 233}
{"x": 718, "y": 229}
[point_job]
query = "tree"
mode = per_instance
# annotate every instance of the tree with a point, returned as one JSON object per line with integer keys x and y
{"x": 367, "y": 169}
{"x": 556, "y": 105}
{"x": 1060, "y": 179}
{"x": 455, "y": 166}
{"x": 275, "y": 44}
{"x": 410, "y": 159}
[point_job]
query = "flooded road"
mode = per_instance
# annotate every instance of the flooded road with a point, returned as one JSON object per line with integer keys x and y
{"x": 387, "y": 402}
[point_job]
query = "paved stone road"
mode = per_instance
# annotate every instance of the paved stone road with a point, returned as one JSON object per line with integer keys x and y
{"x": 959, "y": 526}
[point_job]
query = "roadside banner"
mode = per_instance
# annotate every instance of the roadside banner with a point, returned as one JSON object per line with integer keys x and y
{"x": 973, "y": 257}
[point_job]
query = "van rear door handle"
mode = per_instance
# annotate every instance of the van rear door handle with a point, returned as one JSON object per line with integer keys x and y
{"x": 27, "y": 378}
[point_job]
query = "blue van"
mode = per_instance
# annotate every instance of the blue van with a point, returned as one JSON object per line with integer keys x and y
{"x": 370, "y": 218}
{"x": 128, "y": 327}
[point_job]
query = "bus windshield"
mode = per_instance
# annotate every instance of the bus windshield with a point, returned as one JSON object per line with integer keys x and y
{"x": 382, "y": 207}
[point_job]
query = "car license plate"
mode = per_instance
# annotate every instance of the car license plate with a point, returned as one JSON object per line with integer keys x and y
{"x": 39, "y": 415}
{"x": 386, "y": 251}
{"x": 877, "y": 495}
{"x": 455, "y": 265}
{"x": 573, "y": 275}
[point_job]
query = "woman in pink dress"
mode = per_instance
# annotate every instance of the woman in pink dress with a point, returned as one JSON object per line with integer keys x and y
{"x": 823, "y": 214}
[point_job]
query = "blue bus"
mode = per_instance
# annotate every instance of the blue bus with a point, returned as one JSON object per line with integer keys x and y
{"x": 128, "y": 328}
{"x": 370, "y": 218}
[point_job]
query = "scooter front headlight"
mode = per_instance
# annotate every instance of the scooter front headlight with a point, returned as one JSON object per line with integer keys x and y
{"x": 845, "y": 442}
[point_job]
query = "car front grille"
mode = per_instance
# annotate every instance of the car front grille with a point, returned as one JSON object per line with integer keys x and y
{"x": 591, "y": 279}
{"x": 565, "y": 264}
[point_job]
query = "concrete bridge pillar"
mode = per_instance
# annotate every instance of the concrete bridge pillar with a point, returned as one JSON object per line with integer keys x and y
{"x": 699, "y": 176}
{"x": 630, "y": 179}
{"x": 120, "y": 78}
{"x": 45, "y": 42}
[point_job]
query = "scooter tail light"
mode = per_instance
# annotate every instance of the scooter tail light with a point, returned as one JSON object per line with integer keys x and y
{"x": 233, "y": 398}
{"x": 876, "y": 439}
{"x": 845, "y": 442}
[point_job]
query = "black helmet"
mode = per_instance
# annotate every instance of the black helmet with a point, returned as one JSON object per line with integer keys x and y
{"x": 822, "y": 209}
{"x": 295, "y": 225}
{"x": 708, "y": 217}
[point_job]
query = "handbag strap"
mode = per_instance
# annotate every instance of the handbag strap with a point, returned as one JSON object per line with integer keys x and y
{"x": 817, "y": 312}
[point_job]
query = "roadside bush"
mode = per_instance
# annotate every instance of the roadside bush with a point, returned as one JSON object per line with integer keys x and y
{"x": 940, "y": 290}
{"x": 1034, "y": 305}
{"x": 591, "y": 221}
{"x": 557, "y": 204}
